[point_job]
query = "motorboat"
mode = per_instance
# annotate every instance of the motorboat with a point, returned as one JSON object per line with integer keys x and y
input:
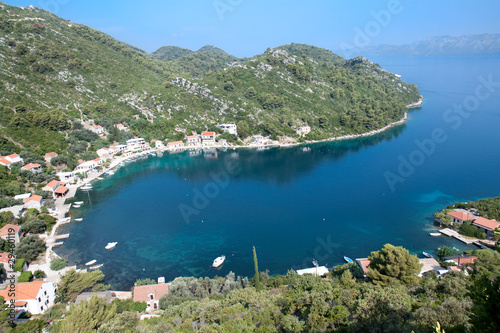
{"x": 78, "y": 202}
{"x": 86, "y": 187}
{"x": 76, "y": 206}
{"x": 91, "y": 262}
{"x": 96, "y": 266}
{"x": 110, "y": 245}
{"x": 80, "y": 219}
{"x": 218, "y": 261}
{"x": 348, "y": 260}
{"x": 435, "y": 234}
{"x": 428, "y": 255}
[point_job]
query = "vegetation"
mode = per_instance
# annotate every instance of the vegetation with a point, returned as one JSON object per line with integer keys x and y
{"x": 488, "y": 208}
{"x": 25, "y": 277}
{"x": 18, "y": 265}
{"x": 74, "y": 283}
{"x": 57, "y": 264}
{"x": 470, "y": 230}
{"x": 30, "y": 247}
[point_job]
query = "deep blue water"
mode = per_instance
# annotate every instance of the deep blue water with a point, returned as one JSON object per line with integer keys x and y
{"x": 293, "y": 204}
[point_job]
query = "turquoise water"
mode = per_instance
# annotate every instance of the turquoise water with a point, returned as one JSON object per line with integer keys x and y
{"x": 323, "y": 200}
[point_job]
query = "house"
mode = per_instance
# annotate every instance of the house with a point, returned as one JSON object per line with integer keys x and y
{"x": 32, "y": 167}
{"x": 462, "y": 260}
{"x": 61, "y": 191}
{"x": 86, "y": 296}
{"x": 52, "y": 186}
{"x": 461, "y": 216}
{"x": 4, "y": 161}
{"x": 486, "y": 226}
{"x": 23, "y": 197}
{"x": 88, "y": 165}
{"x": 260, "y": 140}
{"x": 35, "y": 201}
{"x": 97, "y": 129}
{"x": 364, "y": 263}
{"x": 49, "y": 156}
{"x": 136, "y": 144}
{"x": 104, "y": 153}
{"x": 157, "y": 143}
{"x": 318, "y": 271}
{"x": 35, "y": 297}
{"x": 11, "y": 231}
{"x": 150, "y": 294}
{"x": 8, "y": 260}
{"x": 193, "y": 140}
{"x": 121, "y": 127}
{"x": 10, "y": 159}
{"x": 429, "y": 265}
{"x": 175, "y": 145}
{"x": 230, "y": 128}
{"x": 208, "y": 138}
{"x": 303, "y": 130}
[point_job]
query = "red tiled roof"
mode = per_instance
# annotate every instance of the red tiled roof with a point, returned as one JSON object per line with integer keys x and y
{"x": 52, "y": 184}
{"x": 51, "y": 154}
{"x": 175, "y": 143}
{"x": 30, "y": 166}
{"x": 61, "y": 190}
{"x": 13, "y": 155}
{"x": 364, "y": 263}
{"x": 462, "y": 215}
{"x": 96, "y": 159}
{"x": 141, "y": 293}
{"x": 4, "y": 258}
{"x": 24, "y": 290}
{"x": 5, "y": 161}
{"x": 208, "y": 133}
{"x": 5, "y": 230}
{"x": 154, "y": 140}
{"x": 485, "y": 223}
{"x": 34, "y": 197}
{"x": 20, "y": 303}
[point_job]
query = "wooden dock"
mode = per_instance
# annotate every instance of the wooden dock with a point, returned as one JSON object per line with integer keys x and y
{"x": 452, "y": 233}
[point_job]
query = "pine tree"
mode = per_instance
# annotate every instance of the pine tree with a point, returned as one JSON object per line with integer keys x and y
{"x": 256, "y": 279}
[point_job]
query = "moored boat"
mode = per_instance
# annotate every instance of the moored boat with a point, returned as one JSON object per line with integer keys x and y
{"x": 86, "y": 187}
{"x": 96, "y": 266}
{"x": 80, "y": 219}
{"x": 218, "y": 261}
{"x": 91, "y": 262}
{"x": 428, "y": 255}
{"x": 348, "y": 260}
{"x": 76, "y": 206}
{"x": 435, "y": 234}
{"x": 110, "y": 245}
{"x": 78, "y": 202}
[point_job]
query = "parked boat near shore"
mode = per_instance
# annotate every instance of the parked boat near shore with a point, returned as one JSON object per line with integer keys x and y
{"x": 91, "y": 262}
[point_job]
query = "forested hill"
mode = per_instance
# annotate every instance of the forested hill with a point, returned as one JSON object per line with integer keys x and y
{"x": 56, "y": 73}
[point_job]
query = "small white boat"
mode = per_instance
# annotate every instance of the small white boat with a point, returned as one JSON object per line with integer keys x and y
{"x": 86, "y": 187}
{"x": 80, "y": 219}
{"x": 435, "y": 234}
{"x": 111, "y": 172}
{"x": 96, "y": 266}
{"x": 91, "y": 262}
{"x": 100, "y": 178}
{"x": 78, "y": 202}
{"x": 428, "y": 255}
{"x": 110, "y": 245}
{"x": 76, "y": 206}
{"x": 218, "y": 261}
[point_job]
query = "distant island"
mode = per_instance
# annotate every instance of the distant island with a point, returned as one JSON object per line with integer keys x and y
{"x": 438, "y": 45}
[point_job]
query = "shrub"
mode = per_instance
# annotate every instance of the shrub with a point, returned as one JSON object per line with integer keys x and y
{"x": 57, "y": 264}
{"x": 18, "y": 266}
{"x": 39, "y": 274}
{"x": 25, "y": 277}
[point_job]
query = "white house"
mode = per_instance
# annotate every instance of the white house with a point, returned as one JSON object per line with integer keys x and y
{"x": 97, "y": 129}
{"x": 51, "y": 186}
{"x": 303, "y": 130}
{"x": 32, "y": 167}
{"x": 260, "y": 140}
{"x": 193, "y": 140}
{"x": 11, "y": 231}
{"x": 136, "y": 144}
{"x": 35, "y": 297}
{"x": 175, "y": 145}
{"x": 157, "y": 143}
{"x": 88, "y": 165}
{"x": 35, "y": 201}
{"x": 49, "y": 156}
{"x": 121, "y": 127}
{"x": 208, "y": 138}
{"x": 230, "y": 128}
{"x": 10, "y": 159}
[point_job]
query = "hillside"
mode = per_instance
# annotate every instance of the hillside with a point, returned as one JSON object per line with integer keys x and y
{"x": 56, "y": 73}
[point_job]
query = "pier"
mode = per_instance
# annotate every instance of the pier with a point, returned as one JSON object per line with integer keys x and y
{"x": 452, "y": 233}
{"x": 63, "y": 236}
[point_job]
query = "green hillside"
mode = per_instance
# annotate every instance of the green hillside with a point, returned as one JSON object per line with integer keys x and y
{"x": 56, "y": 73}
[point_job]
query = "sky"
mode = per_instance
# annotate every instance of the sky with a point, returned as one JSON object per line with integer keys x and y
{"x": 247, "y": 27}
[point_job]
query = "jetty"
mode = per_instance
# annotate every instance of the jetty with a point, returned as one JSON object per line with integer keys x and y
{"x": 452, "y": 233}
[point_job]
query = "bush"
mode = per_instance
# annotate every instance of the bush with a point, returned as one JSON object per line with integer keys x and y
{"x": 30, "y": 247}
{"x": 470, "y": 230}
{"x": 18, "y": 266}
{"x": 57, "y": 264}
{"x": 39, "y": 274}
{"x": 25, "y": 277}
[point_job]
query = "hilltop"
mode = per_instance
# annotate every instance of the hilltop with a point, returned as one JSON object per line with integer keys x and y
{"x": 56, "y": 73}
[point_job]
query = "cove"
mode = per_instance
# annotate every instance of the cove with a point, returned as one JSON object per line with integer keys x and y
{"x": 321, "y": 201}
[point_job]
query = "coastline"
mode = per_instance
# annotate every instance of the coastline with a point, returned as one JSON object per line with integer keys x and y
{"x": 62, "y": 208}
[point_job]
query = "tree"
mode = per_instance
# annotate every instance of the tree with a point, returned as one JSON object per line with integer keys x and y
{"x": 444, "y": 251}
{"x": 35, "y": 226}
{"x": 88, "y": 316}
{"x": 393, "y": 263}
{"x": 485, "y": 295}
{"x": 30, "y": 247}
{"x": 144, "y": 282}
{"x": 256, "y": 279}
{"x": 74, "y": 283}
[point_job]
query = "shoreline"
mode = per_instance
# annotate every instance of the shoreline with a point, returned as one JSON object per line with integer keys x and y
{"x": 62, "y": 208}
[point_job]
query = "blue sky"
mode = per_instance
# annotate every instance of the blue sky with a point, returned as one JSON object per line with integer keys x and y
{"x": 247, "y": 27}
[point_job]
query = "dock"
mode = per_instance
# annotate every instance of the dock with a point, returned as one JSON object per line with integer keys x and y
{"x": 452, "y": 233}
{"x": 63, "y": 236}
{"x": 57, "y": 244}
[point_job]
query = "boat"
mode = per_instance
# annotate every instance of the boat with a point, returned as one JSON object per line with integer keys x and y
{"x": 80, "y": 219}
{"x": 348, "y": 260}
{"x": 110, "y": 245}
{"x": 315, "y": 263}
{"x": 428, "y": 255}
{"x": 218, "y": 261}
{"x": 91, "y": 262}
{"x": 435, "y": 234}
{"x": 96, "y": 266}
{"x": 86, "y": 187}
{"x": 111, "y": 172}
{"x": 78, "y": 202}
{"x": 100, "y": 178}
{"x": 76, "y": 206}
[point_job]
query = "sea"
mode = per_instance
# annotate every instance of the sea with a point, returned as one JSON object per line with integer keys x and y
{"x": 172, "y": 215}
